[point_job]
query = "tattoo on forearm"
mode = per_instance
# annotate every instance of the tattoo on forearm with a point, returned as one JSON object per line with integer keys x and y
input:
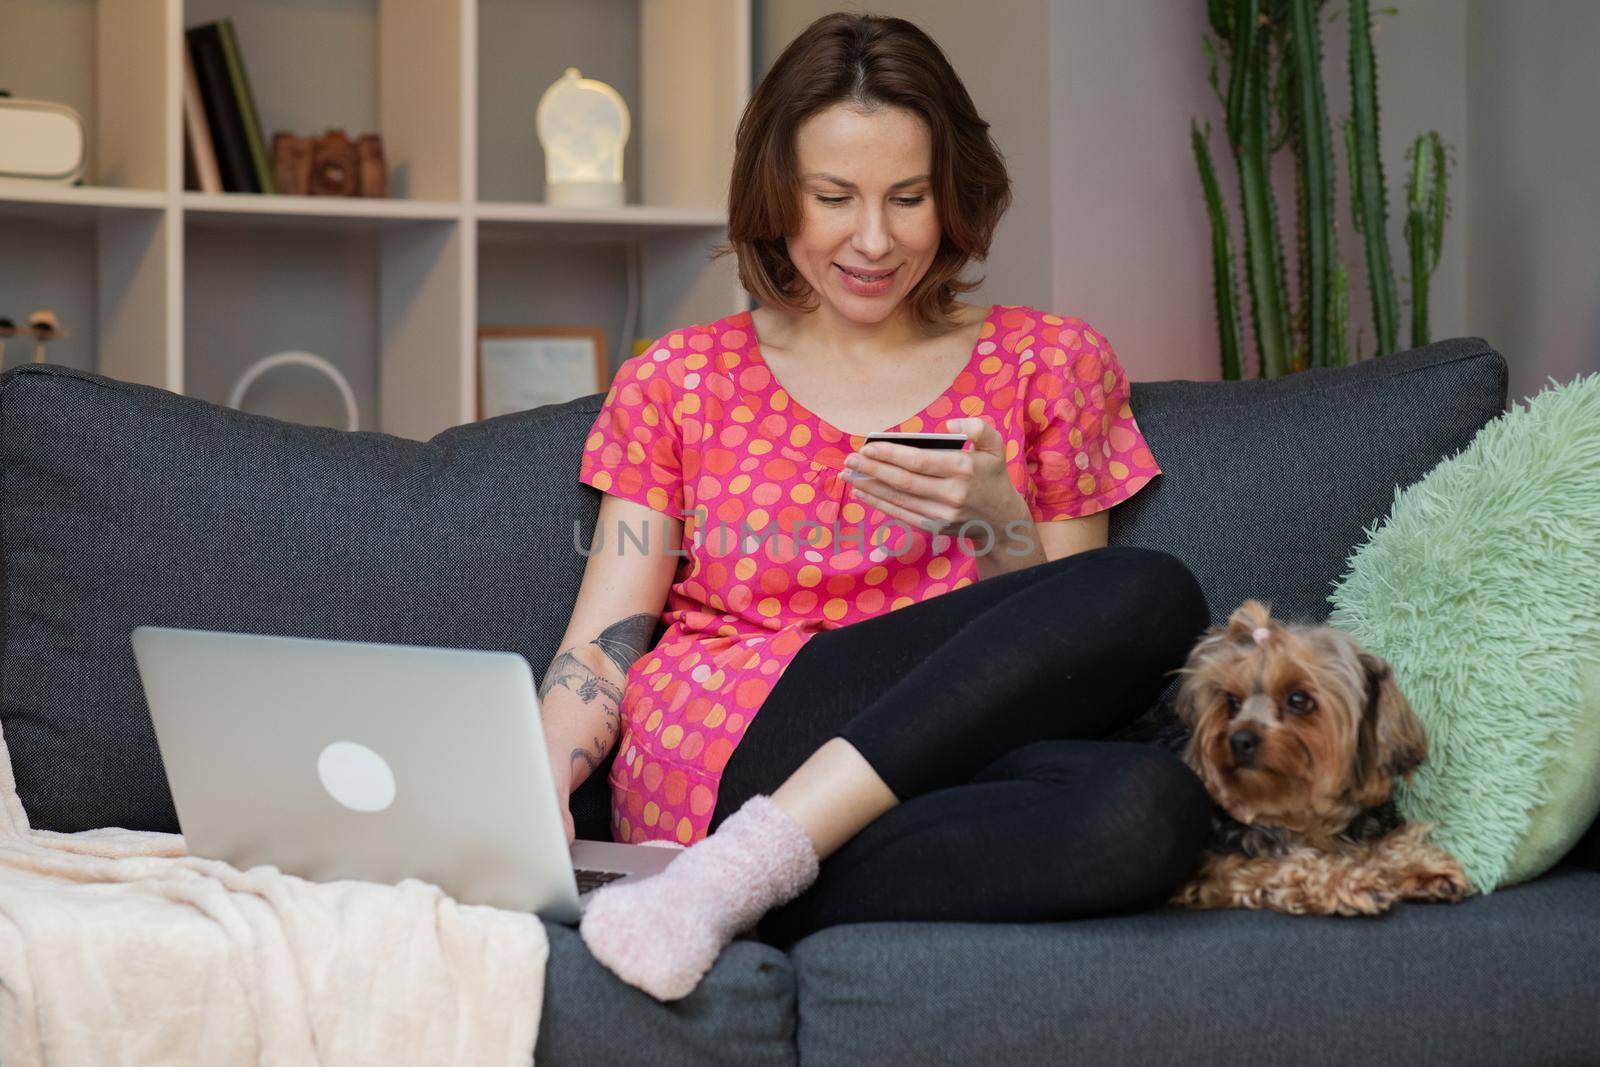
{"x": 601, "y": 745}
{"x": 569, "y": 671}
{"x": 626, "y": 640}
{"x": 623, "y": 642}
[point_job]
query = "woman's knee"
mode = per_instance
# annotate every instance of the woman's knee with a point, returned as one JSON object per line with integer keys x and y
{"x": 1154, "y": 593}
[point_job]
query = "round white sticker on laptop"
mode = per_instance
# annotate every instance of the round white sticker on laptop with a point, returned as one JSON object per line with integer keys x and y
{"x": 356, "y": 776}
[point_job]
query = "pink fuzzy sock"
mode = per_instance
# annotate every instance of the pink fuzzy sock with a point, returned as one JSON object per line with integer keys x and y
{"x": 663, "y": 933}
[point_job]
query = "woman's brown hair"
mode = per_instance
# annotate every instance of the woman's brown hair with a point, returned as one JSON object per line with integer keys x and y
{"x": 868, "y": 62}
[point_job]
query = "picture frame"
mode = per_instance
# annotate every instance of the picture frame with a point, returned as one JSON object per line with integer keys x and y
{"x": 522, "y": 367}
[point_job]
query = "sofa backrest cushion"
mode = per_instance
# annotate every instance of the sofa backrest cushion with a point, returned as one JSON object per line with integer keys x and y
{"x": 123, "y": 505}
{"x": 1268, "y": 484}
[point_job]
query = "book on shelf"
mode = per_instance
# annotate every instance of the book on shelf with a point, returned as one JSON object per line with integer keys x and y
{"x": 222, "y": 116}
{"x": 200, "y": 153}
{"x": 241, "y": 154}
{"x": 260, "y": 156}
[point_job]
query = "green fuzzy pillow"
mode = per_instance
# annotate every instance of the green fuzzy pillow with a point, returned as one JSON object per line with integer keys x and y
{"x": 1482, "y": 589}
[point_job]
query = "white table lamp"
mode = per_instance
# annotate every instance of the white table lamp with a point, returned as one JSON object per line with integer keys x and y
{"x": 583, "y": 125}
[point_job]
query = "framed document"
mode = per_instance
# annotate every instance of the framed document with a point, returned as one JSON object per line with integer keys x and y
{"x": 522, "y": 367}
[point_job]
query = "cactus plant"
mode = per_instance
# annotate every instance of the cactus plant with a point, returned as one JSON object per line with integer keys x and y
{"x": 1339, "y": 318}
{"x": 1314, "y": 173}
{"x": 1426, "y": 206}
{"x": 1248, "y": 31}
{"x": 1373, "y": 219}
{"x": 1249, "y": 106}
{"x": 1224, "y": 286}
{"x": 1316, "y": 333}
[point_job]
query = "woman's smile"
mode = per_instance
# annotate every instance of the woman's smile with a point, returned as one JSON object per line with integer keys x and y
{"x": 864, "y": 286}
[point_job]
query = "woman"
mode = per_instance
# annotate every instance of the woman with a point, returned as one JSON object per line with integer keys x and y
{"x": 886, "y": 670}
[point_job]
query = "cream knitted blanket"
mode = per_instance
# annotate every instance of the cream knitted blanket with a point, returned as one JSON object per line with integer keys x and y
{"x": 116, "y": 947}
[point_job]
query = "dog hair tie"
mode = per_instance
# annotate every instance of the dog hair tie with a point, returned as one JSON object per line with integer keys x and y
{"x": 1260, "y": 633}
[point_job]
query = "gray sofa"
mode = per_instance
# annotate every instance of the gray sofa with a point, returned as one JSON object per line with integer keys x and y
{"x": 123, "y": 505}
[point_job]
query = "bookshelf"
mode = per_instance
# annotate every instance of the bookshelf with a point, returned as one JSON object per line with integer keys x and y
{"x": 183, "y": 290}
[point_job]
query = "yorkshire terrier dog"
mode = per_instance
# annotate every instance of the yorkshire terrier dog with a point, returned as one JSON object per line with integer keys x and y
{"x": 1299, "y": 734}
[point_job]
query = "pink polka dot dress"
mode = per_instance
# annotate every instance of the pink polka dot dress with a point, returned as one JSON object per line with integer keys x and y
{"x": 777, "y": 547}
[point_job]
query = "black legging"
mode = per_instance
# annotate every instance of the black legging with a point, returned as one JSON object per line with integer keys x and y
{"x": 982, "y": 710}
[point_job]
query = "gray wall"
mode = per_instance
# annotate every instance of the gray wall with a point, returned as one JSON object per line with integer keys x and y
{"x": 1091, "y": 102}
{"x": 1533, "y": 235}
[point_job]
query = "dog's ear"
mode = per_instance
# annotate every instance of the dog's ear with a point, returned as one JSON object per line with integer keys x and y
{"x": 1197, "y": 677}
{"x": 1392, "y": 741}
{"x": 1187, "y": 701}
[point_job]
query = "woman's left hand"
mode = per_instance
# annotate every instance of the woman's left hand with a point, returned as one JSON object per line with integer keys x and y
{"x": 938, "y": 490}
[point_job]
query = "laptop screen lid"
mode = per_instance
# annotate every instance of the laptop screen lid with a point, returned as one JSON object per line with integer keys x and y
{"x": 350, "y": 759}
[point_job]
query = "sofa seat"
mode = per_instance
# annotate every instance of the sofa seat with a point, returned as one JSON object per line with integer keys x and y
{"x": 123, "y": 505}
{"x": 743, "y": 1011}
{"x": 1424, "y": 983}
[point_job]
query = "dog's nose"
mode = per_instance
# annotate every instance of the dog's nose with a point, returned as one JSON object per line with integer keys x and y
{"x": 1243, "y": 744}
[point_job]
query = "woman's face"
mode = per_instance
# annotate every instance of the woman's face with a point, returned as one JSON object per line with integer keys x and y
{"x": 875, "y": 223}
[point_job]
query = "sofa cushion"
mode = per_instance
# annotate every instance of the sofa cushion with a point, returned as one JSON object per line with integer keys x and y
{"x": 1505, "y": 978}
{"x": 1267, "y": 484}
{"x": 742, "y": 1012}
{"x": 1482, "y": 588}
{"x": 123, "y": 505}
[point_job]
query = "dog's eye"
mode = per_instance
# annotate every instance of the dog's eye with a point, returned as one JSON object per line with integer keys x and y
{"x": 1300, "y": 701}
{"x": 1233, "y": 701}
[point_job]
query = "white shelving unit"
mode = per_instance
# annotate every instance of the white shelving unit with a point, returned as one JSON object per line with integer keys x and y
{"x": 183, "y": 290}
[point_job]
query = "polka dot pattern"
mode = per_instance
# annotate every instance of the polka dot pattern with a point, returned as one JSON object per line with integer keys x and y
{"x": 776, "y": 546}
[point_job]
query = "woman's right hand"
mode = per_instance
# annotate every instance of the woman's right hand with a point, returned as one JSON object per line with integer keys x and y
{"x": 566, "y": 815}
{"x": 563, "y": 784}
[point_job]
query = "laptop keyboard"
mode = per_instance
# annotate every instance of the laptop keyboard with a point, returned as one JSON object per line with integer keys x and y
{"x": 588, "y": 879}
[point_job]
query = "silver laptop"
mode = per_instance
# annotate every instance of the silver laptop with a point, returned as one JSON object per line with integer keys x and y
{"x": 352, "y": 759}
